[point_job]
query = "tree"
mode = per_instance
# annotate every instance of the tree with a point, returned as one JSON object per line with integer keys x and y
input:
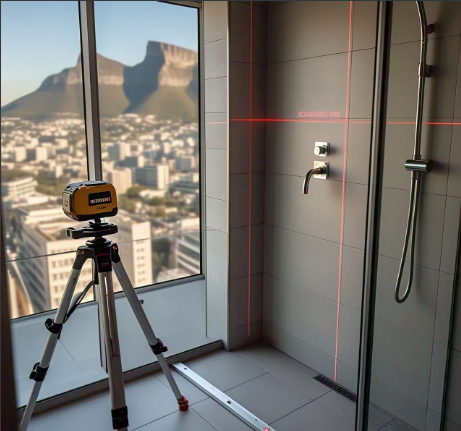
{"x": 14, "y": 174}
{"x": 133, "y": 191}
{"x": 126, "y": 204}
{"x": 156, "y": 201}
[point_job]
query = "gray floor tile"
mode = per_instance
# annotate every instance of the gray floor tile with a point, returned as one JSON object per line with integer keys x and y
{"x": 226, "y": 370}
{"x": 339, "y": 404}
{"x": 398, "y": 425}
{"x": 378, "y": 418}
{"x": 285, "y": 368}
{"x": 189, "y": 421}
{"x": 268, "y": 398}
{"x": 219, "y": 417}
{"x": 313, "y": 417}
{"x": 192, "y": 393}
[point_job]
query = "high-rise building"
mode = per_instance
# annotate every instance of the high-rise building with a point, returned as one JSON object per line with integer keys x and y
{"x": 118, "y": 151}
{"x": 43, "y": 233}
{"x": 121, "y": 179}
{"x": 19, "y": 188}
{"x": 185, "y": 163}
{"x": 188, "y": 252}
{"x": 154, "y": 176}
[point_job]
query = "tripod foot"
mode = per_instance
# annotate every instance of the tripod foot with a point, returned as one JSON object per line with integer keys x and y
{"x": 183, "y": 404}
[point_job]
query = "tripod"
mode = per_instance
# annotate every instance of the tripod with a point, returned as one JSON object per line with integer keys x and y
{"x": 105, "y": 255}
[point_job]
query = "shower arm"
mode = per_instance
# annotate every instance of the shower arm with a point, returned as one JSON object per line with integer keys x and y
{"x": 416, "y": 165}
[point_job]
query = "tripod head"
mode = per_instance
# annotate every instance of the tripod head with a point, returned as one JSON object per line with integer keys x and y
{"x": 94, "y": 229}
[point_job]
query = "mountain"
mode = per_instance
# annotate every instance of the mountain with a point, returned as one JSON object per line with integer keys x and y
{"x": 165, "y": 83}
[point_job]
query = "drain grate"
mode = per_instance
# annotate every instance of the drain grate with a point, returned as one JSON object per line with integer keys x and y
{"x": 335, "y": 387}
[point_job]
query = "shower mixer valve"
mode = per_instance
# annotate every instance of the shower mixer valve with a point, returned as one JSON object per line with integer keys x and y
{"x": 320, "y": 172}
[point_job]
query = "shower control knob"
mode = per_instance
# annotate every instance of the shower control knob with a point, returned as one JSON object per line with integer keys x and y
{"x": 321, "y": 149}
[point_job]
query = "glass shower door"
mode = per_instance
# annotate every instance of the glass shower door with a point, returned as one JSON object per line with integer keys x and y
{"x": 411, "y": 339}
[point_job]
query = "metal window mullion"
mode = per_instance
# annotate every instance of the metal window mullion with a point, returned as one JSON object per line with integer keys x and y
{"x": 373, "y": 211}
{"x": 90, "y": 89}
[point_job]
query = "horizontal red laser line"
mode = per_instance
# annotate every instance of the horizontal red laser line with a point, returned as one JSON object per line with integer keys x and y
{"x": 338, "y": 121}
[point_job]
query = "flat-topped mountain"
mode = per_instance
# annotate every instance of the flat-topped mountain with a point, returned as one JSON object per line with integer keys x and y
{"x": 165, "y": 83}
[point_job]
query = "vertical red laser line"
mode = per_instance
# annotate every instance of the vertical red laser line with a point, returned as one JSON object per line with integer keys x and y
{"x": 250, "y": 168}
{"x": 343, "y": 198}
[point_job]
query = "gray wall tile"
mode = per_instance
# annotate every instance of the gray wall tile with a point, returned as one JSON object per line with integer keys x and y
{"x": 216, "y": 95}
{"x": 444, "y": 304}
{"x": 402, "y": 361}
{"x": 290, "y": 147}
{"x": 216, "y": 174}
{"x": 349, "y": 336}
{"x": 453, "y": 397}
{"x": 430, "y": 225}
{"x": 445, "y": 15}
{"x": 217, "y": 243}
{"x": 240, "y": 28}
{"x": 238, "y": 300}
{"x": 239, "y": 337}
{"x": 216, "y": 59}
{"x": 361, "y": 96}
{"x": 437, "y": 382}
{"x": 364, "y": 25}
{"x": 435, "y": 145}
{"x": 300, "y": 260}
{"x": 355, "y": 215}
{"x": 450, "y": 234}
{"x": 216, "y": 131}
{"x": 316, "y": 84}
{"x": 239, "y": 199}
{"x": 241, "y": 132}
{"x": 216, "y": 214}
{"x": 352, "y": 277}
{"x": 440, "y": 87}
{"x": 358, "y": 151}
{"x": 215, "y": 15}
{"x": 239, "y": 239}
{"x": 305, "y": 315}
{"x": 417, "y": 313}
{"x": 217, "y": 277}
{"x": 454, "y": 178}
{"x": 307, "y": 29}
{"x": 317, "y": 214}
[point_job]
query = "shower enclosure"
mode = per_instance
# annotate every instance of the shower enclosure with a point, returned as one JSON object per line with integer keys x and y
{"x": 351, "y": 78}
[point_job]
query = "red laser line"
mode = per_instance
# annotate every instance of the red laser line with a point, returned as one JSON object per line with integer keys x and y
{"x": 343, "y": 198}
{"x": 250, "y": 168}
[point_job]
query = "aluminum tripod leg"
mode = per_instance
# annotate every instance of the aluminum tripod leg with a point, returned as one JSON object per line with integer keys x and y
{"x": 155, "y": 344}
{"x": 114, "y": 363}
{"x": 39, "y": 371}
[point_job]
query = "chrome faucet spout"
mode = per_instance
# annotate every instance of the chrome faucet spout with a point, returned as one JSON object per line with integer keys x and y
{"x": 315, "y": 171}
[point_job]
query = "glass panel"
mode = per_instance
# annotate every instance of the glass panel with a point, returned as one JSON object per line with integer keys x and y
{"x": 148, "y": 88}
{"x": 410, "y": 338}
{"x": 42, "y": 142}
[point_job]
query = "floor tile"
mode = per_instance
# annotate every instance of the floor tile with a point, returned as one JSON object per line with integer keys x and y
{"x": 189, "y": 421}
{"x": 226, "y": 370}
{"x": 313, "y": 417}
{"x": 339, "y": 404}
{"x": 378, "y": 418}
{"x": 285, "y": 368}
{"x": 268, "y": 397}
{"x": 398, "y": 425}
{"x": 218, "y": 417}
{"x": 191, "y": 392}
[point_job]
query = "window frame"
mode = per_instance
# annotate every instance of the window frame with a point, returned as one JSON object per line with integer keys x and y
{"x": 93, "y": 139}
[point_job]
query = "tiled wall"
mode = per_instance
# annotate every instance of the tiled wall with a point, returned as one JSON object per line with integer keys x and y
{"x": 233, "y": 72}
{"x": 306, "y": 236}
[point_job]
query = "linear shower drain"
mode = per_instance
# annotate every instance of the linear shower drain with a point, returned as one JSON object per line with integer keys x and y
{"x": 335, "y": 387}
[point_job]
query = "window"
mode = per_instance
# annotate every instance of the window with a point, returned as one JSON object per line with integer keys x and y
{"x": 148, "y": 80}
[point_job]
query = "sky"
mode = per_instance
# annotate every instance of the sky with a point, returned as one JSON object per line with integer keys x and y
{"x": 39, "y": 38}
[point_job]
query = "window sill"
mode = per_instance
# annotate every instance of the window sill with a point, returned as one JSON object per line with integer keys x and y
{"x": 177, "y": 314}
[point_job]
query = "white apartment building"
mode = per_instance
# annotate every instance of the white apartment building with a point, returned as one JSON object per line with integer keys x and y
{"x": 19, "y": 188}
{"x": 121, "y": 179}
{"x": 44, "y": 234}
{"x": 154, "y": 176}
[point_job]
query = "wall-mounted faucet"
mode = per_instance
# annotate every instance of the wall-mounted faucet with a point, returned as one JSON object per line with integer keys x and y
{"x": 320, "y": 171}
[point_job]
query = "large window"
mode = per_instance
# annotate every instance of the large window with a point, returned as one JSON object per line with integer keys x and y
{"x": 148, "y": 81}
